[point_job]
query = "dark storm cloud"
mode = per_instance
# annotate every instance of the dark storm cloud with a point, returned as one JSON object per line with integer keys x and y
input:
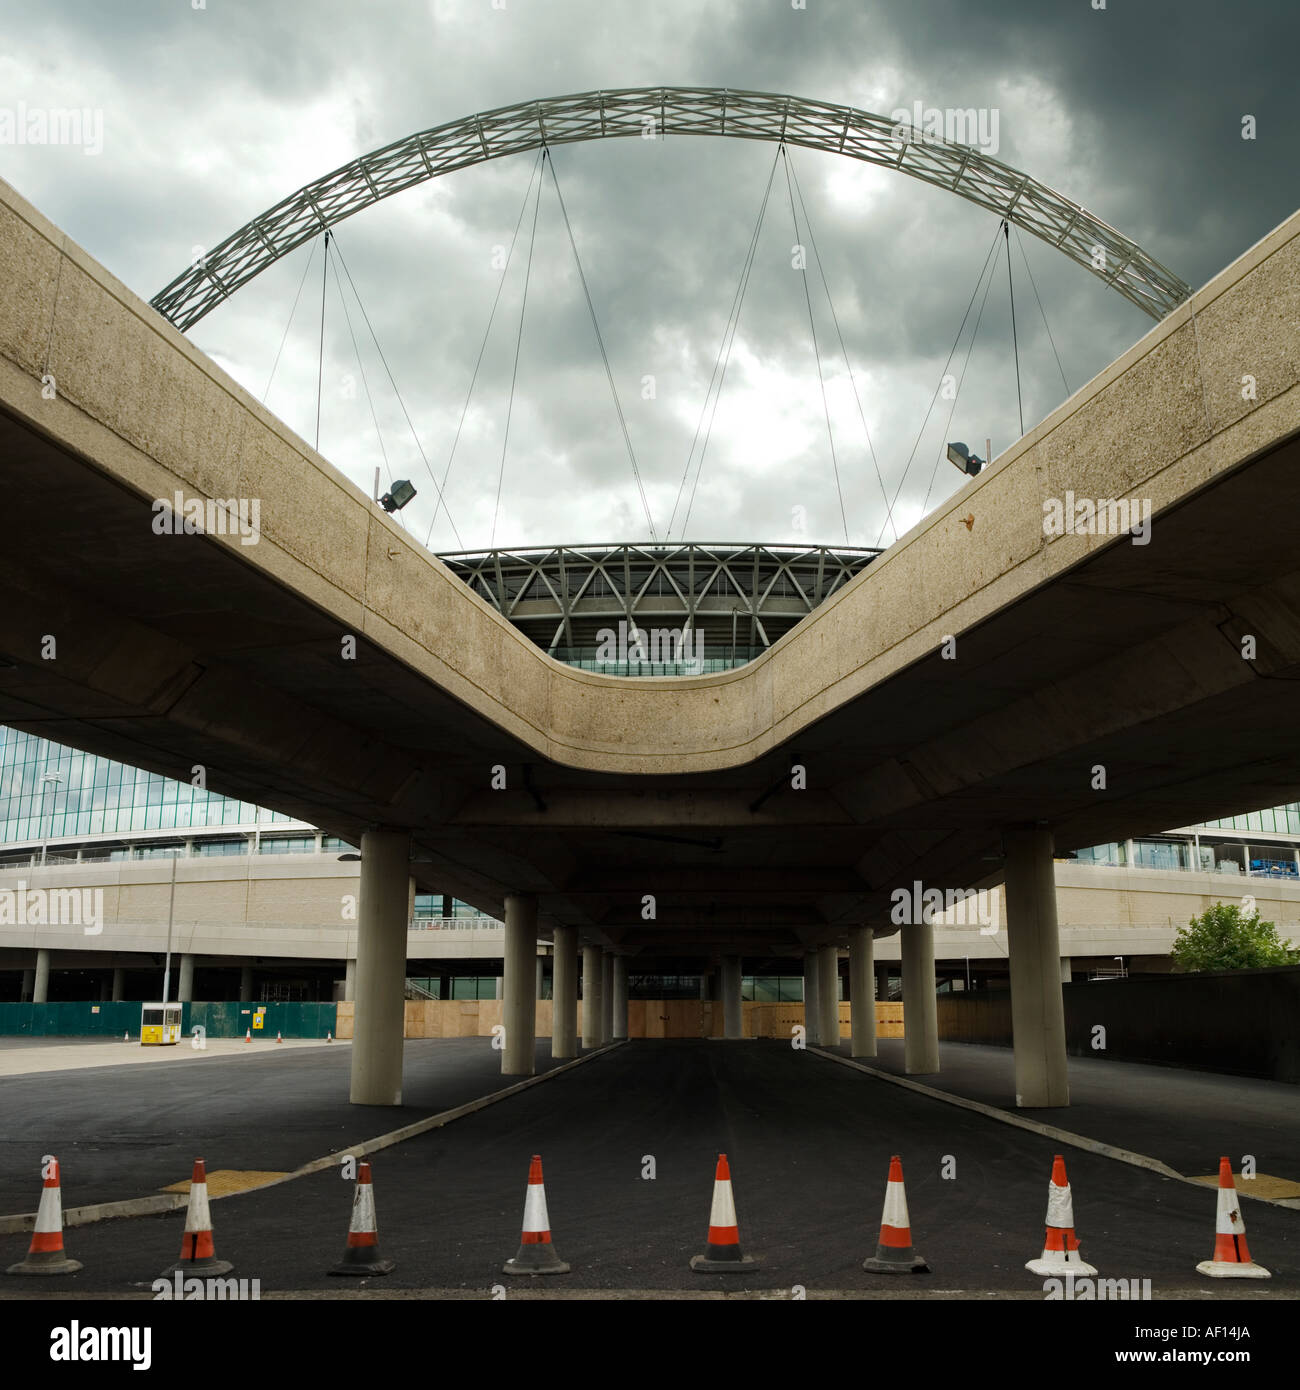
{"x": 212, "y": 115}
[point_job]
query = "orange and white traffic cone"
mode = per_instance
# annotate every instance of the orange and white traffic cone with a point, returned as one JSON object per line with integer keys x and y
{"x": 536, "y": 1253}
{"x": 248, "y": 1035}
{"x": 45, "y": 1254}
{"x": 1060, "y": 1247}
{"x": 278, "y": 1037}
{"x": 1231, "y": 1255}
{"x": 894, "y": 1253}
{"x": 198, "y": 1255}
{"x": 329, "y": 1037}
{"x": 723, "y": 1254}
{"x": 362, "y": 1254}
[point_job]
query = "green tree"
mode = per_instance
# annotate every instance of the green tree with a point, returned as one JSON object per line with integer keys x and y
{"x": 1223, "y": 937}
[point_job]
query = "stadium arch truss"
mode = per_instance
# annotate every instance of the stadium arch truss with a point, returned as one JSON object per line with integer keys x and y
{"x": 816, "y": 125}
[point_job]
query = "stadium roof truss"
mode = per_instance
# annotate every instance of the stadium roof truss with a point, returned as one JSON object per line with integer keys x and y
{"x": 637, "y": 112}
{"x": 564, "y": 577}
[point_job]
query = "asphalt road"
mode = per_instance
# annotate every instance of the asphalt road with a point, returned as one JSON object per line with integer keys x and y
{"x": 123, "y": 1132}
{"x": 809, "y": 1143}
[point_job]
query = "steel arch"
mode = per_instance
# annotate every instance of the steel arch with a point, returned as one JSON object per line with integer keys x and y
{"x": 741, "y": 115}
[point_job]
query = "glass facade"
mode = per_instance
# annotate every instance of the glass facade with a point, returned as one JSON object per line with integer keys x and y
{"x": 50, "y": 791}
{"x": 1277, "y": 819}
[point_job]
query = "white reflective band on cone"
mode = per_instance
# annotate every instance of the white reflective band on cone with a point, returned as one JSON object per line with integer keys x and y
{"x": 1060, "y": 1209}
{"x": 197, "y": 1217}
{"x": 49, "y": 1214}
{"x": 723, "y": 1210}
{"x": 363, "y": 1208}
{"x": 1228, "y": 1207}
{"x": 535, "y": 1217}
{"x": 895, "y": 1213}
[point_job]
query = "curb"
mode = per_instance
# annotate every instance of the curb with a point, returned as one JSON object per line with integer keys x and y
{"x": 1062, "y": 1136}
{"x": 172, "y": 1201}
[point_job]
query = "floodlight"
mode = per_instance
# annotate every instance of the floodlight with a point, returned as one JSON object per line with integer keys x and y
{"x": 400, "y": 494}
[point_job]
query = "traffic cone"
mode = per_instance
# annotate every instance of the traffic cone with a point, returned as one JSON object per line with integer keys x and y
{"x": 126, "y": 1037}
{"x": 1231, "y": 1257}
{"x": 723, "y": 1253}
{"x": 278, "y": 1038}
{"x": 362, "y": 1253}
{"x": 536, "y": 1254}
{"x": 45, "y": 1254}
{"x": 329, "y": 1037}
{"x": 248, "y": 1035}
{"x": 1060, "y": 1247}
{"x": 894, "y": 1254}
{"x": 197, "y": 1253}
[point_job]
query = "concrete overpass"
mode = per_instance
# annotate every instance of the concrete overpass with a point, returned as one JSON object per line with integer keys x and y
{"x": 771, "y": 808}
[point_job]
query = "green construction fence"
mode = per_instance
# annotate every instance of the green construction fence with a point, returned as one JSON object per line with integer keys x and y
{"x": 291, "y": 1019}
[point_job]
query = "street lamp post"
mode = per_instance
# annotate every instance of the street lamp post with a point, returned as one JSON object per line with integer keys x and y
{"x": 171, "y": 909}
{"x": 47, "y": 826}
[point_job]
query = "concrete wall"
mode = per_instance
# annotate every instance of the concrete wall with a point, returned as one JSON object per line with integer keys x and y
{"x": 1246, "y": 1022}
{"x": 646, "y": 1018}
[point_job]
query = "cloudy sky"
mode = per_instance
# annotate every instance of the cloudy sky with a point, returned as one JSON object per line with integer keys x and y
{"x": 213, "y": 110}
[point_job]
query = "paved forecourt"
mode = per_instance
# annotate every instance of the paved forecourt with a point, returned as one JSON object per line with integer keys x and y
{"x": 125, "y": 1131}
{"x": 629, "y": 1142}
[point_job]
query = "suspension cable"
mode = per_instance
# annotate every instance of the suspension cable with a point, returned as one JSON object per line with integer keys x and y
{"x": 812, "y": 328}
{"x": 392, "y": 382}
{"x": 505, "y": 270}
{"x": 604, "y": 356}
{"x": 284, "y": 336}
{"x": 723, "y": 358}
{"x": 812, "y": 240}
{"x": 519, "y": 338}
{"x": 365, "y": 382}
{"x": 320, "y": 361}
{"x": 993, "y": 246}
{"x": 952, "y": 410}
{"x": 1041, "y": 310}
{"x": 1015, "y": 344}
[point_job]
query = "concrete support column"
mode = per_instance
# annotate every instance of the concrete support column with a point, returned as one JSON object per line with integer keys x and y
{"x": 185, "y": 985}
{"x": 811, "y": 1014}
{"x": 920, "y": 1008}
{"x": 882, "y": 978}
{"x": 119, "y": 985}
{"x": 41, "y": 982}
{"x": 519, "y": 1006}
{"x": 29, "y": 985}
{"x": 105, "y": 989}
{"x": 828, "y": 996}
{"x": 620, "y": 999}
{"x": 564, "y": 993}
{"x": 1034, "y": 945}
{"x": 733, "y": 1009}
{"x": 377, "y": 1027}
{"x": 1067, "y": 969}
{"x": 246, "y": 983}
{"x": 499, "y": 988}
{"x": 704, "y": 986}
{"x": 540, "y": 978}
{"x": 862, "y": 1004}
{"x": 606, "y": 996}
{"x": 591, "y": 1005}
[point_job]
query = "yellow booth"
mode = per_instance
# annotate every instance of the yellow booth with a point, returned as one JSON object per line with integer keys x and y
{"x": 160, "y": 1024}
